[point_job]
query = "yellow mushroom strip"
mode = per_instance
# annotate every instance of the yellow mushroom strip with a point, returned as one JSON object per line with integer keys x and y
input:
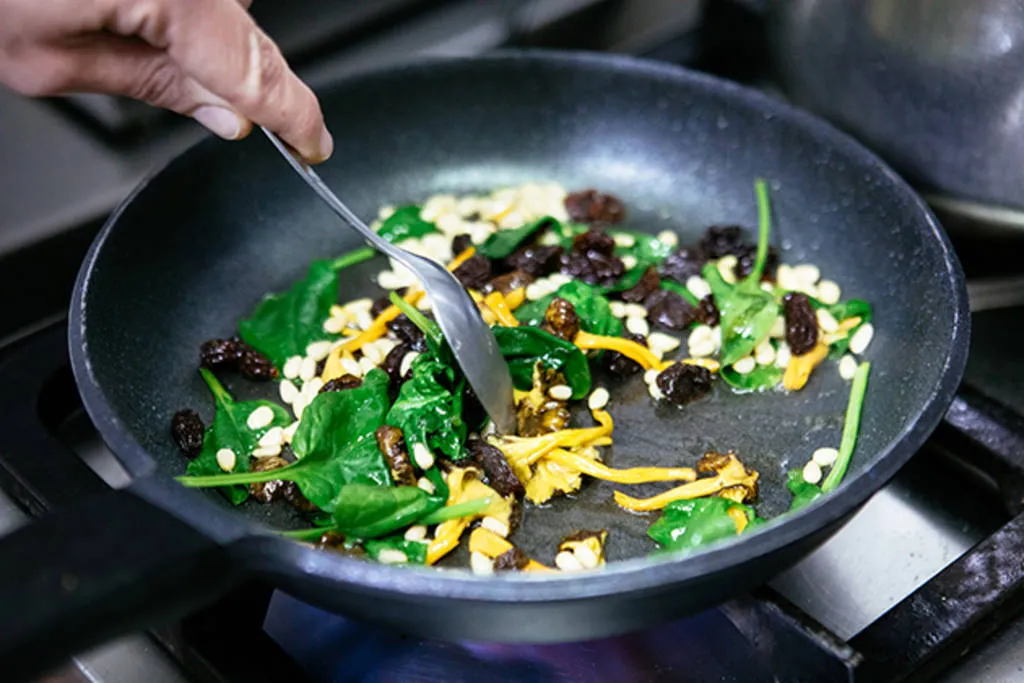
{"x": 709, "y": 363}
{"x": 842, "y": 332}
{"x": 632, "y": 475}
{"x": 799, "y": 368}
{"x": 733, "y": 473}
{"x": 739, "y": 518}
{"x": 515, "y": 298}
{"x": 462, "y": 258}
{"x": 377, "y": 329}
{"x": 464, "y": 485}
{"x": 486, "y": 542}
{"x": 485, "y": 312}
{"x": 496, "y": 302}
{"x": 521, "y": 451}
{"x": 627, "y": 347}
{"x": 550, "y": 477}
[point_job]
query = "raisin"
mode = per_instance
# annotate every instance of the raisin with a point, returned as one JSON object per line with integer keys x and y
{"x": 590, "y": 206}
{"x": 594, "y": 241}
{"x": 719, "y": 241}
{"x": 669, "y": 310}
{"x": 707, "y": 311}
{"x": 499, "y": 473}
{"x": 393, "y": 363}
{"x": 391, "y": 443}
{"x": 221, "y": 354}
{"x": 267, "y": 491}
{"x": 474, "y": 272}
{"x": 623, "y": 366}
{"x": 561, "y": 320}
{"x": 516, "y": 518}
{"x": 682, "y": 383}
{"x": 461, "y": 243}
{"x": 384, "y": 302}
{"x": 293, "y": 494}
{"x": 341, "y": 383}
{"x": 537, "y": 260}
{"x": 683, "y": 263}
{"x": 801, "y": 323}
{"x": 748, "y": 257}
{"x": 187, "y": 429}
{"x": 407, "y": 332}
{"x": 513, "y": 559}
{"x": 255, "y": 366}
{"x": 648, "y": 284}
{"x": 508, "y": 282}
{"x": 592, "y": 267}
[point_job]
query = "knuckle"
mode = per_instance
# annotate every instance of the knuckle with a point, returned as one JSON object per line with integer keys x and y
{"x": 157, "y": 83}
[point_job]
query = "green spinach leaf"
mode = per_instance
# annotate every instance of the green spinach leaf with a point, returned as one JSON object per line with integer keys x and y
{"x": 283, "y": 325}
{"x": 500, "y": 244}
{"x": 688, "y": 524}
{"x": 592, "y": 307}
{"x": 430, "y": 329}
{"x": 524, "y": 346}
{"x": 363, "y": 511}
{"x": 414, "y": 551}
{"x": 404, "y": 223}
{"x": 851, "y": 426}
{"x": 761, "y": 378}
{"x": 428, "y": 409}
{"x": 335, "y": 443}
{"x": 803, "y": 493}
{"x": 230, "y": 429}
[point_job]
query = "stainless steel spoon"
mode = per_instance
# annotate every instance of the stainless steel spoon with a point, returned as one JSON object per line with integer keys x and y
{"x": 471, "y": 340}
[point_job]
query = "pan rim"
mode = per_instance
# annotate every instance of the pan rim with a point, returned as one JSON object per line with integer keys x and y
{"x": 639, "y": 574}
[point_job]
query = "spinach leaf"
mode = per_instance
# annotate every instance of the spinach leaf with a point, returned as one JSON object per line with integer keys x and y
{"x": 363, "y": 511}
{"x": 681, "y": 291}
{"x": 404, "y": 223}
{"x": 761, "y": 378}
{"x": 647, "y": 249}
{"x": 854, "y": 308}
{"x": 430, "y": 329}
{"x": 230, "y": 429}
{"x": 687, "y": 524}
{"x": 532, "y": 312}
{"x": 592, "y": 307}
{"x": 803, "y": 493}
{"x": 283, "y": 325}
{"x": 335, "y": 443}
{"x": 747, "y": 311}
{"x": 415, "y": 551}
{"x": 428, "y": 409}
{"x": 500, "y": 244}
{"x": 524, "y": 346}
{"x": 850, "y": 428}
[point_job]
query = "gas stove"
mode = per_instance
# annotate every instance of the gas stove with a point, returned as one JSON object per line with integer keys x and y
{"x": 924, "y": 583}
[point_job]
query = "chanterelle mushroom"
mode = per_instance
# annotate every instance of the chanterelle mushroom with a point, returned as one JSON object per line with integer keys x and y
{"x": 730, "y": 479}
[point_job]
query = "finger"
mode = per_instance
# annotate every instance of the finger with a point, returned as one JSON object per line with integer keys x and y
{"x": 221, "y": 48}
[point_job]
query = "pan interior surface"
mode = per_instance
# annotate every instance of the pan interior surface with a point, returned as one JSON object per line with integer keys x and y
{"x": 196, "y": 249}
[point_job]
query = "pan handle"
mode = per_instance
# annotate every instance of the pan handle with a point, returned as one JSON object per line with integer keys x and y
{"x": 99, "y": 568}
{"x": 97, "y": 562}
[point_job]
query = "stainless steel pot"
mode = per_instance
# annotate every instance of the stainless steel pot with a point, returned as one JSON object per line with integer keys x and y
{"x": 934, "y": 86}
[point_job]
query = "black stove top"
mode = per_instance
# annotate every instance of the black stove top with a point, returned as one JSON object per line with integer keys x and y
{"x": 923, "y": 584}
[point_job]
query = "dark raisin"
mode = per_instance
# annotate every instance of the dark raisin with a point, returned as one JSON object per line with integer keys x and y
{"x": 590, "y": 206}
{"x": 187, "y": 429}
{"x": 516, "y": 518}
{"x": 537, "y": 260}
{"x": 474, "y": 272}
{"x": 707, "y": 311}
{"x": 512, "y": 560}
{"x": 407, "y": 332}
{"x": 722, "y": 240}
{"x": 592, "y": 267}
{"x": 748, "y": 257}
{"x": 801, "y": 323}
{"x": 393, "y": 363}
{"x": 337, "y": 543}
{"x": 221, "y": 354}
{"x": 255, "y": 366}
{"x": 561, "y": 320}
{"x": 669, "y": 311}
{"x": 293, "y": 494}
{"x": 682, "y": 383}
{"x": 461, "y": 243}
{"x": 384, "y": 302}
{"x": 499, "y": 473}
{"x": 594, "y": 240}
{"x": 683, "y": 263}
{"x": 508, "y": 282}
{"x": 648, "y": 284}
{"x": 341, "y": 383}
{"x": 267, "y": 491}
{"x": 623, "y": 366}
{"x": 391, "y": 443}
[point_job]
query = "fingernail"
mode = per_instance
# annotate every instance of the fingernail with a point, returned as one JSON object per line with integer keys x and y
{"x": 326, "y": 144}
{"x": 220, "y": 121}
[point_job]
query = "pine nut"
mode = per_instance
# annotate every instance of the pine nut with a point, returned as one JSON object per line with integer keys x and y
{"x": 825, "y": 457}
{"x": 829, "y": 292}
{"x": 638, "y": 325}
{"x": 416, "y": 532}
{"x": 745, "y": 365}
{"x": 727, "y": 268}
{"x": 812, "y": 472}
{"x": 496, "y": 525}
{"x": 407, "y": 360}
{"x": 289, "y": 392}
{"x": 226, "y": 459}
{"x": 698, "y": 286}
{"x": 825, "y": 321}
{"x": 618, "y": 309}
{"x": 307, "y": 370}
{"x": 260, "y": 418}
{"x": 318, "y": 350}
{"x": 391, "y": 556}
{"x": 861, "y": 338}
{"x": 422, "y": 456}
{"x": 273, "y": 438}
{"x": 587, "y": 558}
{"x": 668, "y": 238}
{"x": 480, "y": 564}
{"x": 847, "y": 367}
{"x": 624, "y": 240}
{"x": 567, "y": 562}
{"x": 292, "y": 366}
{"x": 764, "y": 353}
{"x": 560, "y": 392}
{"x": 598, "y": 398}
{"x": 426, "y": 485}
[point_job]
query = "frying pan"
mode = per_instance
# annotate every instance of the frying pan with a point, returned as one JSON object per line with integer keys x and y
{"x": 197, "y": 245}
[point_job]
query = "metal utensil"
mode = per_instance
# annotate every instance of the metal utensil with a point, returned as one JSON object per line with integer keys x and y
{"x": 471, "y": 340}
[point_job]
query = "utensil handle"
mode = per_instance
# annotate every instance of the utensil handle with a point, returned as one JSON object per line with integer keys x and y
{"x": 99, "y": 568}
{"x": 98, "y": 562}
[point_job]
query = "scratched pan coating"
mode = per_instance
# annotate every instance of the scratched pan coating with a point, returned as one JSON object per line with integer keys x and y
{"x": 196, "y": 248}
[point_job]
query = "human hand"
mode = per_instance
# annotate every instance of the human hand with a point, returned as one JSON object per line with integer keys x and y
{"x": 202, "y": 58}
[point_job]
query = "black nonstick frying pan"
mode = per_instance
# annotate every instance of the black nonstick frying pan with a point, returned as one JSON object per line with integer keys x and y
{"x": 197, "y": 245}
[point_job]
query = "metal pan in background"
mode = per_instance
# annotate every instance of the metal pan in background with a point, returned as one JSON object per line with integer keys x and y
{"x": 197, "y": 245}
